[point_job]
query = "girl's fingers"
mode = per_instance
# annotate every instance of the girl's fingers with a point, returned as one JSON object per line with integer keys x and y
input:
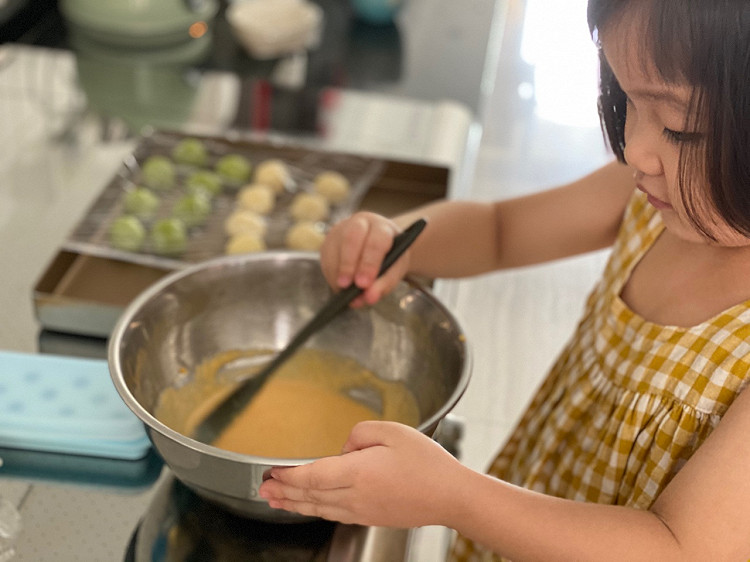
{"x": 353, "y": 235}
{"x": 387, "y": 282}
{"x": 353, "y": 252}
{"x": 329, "y": 512}
{"x": 329, "y": 473}
{"x": 310, "y": 490}
{"x": 369, "y": 434}
{"x": 275, "y": 489}
{"x": 379, "y": 240}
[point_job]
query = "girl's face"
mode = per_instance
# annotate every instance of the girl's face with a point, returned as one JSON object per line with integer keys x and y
{"x": 657, "y": 112}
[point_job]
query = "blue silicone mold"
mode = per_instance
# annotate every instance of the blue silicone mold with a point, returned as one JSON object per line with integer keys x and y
{"x": 65, "y": 405}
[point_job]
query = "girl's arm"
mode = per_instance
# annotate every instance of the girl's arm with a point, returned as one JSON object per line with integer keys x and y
{"x": 394, "y": 476}
{"x": 703, "y": 514}
{"x": 466, "y": 238}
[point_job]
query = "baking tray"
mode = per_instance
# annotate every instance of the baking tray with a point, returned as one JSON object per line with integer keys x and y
{"x": 84, "y": 294}
{"x": 208, "y": 239}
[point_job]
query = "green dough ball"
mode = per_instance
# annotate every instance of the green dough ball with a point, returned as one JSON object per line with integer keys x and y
{"x": 127, "y": 233}
{"x": 234, "y": 168}
{"x": 169, "y": 236}
{"x": 193, "y": 209}
{"x": 191, "y": 151}
{"x": 204, "y": 180}
{"x": 141, "y": 202}
{"x": 158, "y": 172}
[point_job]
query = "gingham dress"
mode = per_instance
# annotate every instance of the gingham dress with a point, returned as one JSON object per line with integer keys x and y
{"x": 628, "y": 401}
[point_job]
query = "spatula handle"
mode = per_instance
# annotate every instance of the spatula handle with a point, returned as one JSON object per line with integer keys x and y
{"x": 342, "y": 299}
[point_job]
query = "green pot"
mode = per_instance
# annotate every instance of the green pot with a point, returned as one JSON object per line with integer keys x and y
{"x": 145, "y": 23}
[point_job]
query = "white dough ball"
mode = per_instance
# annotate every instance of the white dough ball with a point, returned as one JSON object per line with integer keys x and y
{"x": 245, "y": 243}
{"x": 258, "y": 198}
{"x": 305, "y": 235}
{"x": 309, "y": 207}
{"x": 332, "y": 185}
{"x": 273, "y": 173}
{"x": 244, "y": 221}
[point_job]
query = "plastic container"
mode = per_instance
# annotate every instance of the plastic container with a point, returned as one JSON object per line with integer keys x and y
{"x": 65, "y": 405}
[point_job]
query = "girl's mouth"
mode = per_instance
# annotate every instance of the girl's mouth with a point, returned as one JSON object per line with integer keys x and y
{"x": 655, "y": 201}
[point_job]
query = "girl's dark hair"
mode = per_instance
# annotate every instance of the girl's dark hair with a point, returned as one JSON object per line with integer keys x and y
{"x": 706, "y": 44}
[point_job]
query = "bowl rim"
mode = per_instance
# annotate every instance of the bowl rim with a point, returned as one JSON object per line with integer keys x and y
{"x": 154, "y": 424}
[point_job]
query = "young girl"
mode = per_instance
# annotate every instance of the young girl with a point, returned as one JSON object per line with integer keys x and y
{"x": 637, "y": 445}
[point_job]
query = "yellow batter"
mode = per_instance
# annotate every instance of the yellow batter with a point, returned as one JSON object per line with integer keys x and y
{"x": 303, "y": 411}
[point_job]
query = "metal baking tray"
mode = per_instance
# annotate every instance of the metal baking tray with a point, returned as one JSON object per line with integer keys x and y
{"x": 83, "y": 292}
{"x": 208, "y": 239}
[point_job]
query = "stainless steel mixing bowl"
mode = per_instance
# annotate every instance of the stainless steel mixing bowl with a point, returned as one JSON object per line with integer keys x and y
{"x": 259, "y": 301}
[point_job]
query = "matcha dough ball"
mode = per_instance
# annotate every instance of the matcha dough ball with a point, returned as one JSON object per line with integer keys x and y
{"x": 169, "y": 236}
{"x": 127, "y": 233}
{"x": 244, "y": 221}
{"x": 274, "y": 173}
{"x": 309, "y": 207}
{"x": 192, "y": 209}
{"x": 190, "y": 151}
{"x": 234, "y": 168}
{"x": 158, "y": 172}
{"x": 141, "y": 202}
{"x": 305, "y": 235}
{"x": 204, "y": 180}
{"x": 256, "y": 197}
{"x": 333, "y": 186}
{"x": 244, "y": 243}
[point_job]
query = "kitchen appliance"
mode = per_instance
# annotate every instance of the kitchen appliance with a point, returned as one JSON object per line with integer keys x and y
{"x": 142, "y": 23}
{"x": 181, "y": 526}
{"x": 258, "y": 301}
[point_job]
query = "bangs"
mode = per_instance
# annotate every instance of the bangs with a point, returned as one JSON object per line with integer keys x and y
{"x": 670, "y": 37}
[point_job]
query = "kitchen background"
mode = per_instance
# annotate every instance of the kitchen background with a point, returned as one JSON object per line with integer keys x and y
{"x": 520, "y": 118}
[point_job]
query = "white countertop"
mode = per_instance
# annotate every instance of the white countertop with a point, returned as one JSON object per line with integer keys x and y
{"x": 516, "y": 321}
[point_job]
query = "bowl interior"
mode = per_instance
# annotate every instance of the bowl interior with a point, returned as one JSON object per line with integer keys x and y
{"x": 260, "y": 301}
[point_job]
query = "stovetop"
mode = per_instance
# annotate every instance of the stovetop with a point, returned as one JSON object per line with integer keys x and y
{"x": 181, "y": 526}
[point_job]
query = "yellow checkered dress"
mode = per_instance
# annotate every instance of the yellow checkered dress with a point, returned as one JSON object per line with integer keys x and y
{"x": 628, "y": 401}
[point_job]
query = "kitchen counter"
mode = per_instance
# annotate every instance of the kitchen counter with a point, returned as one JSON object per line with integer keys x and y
{"x": 71, "y": 113}
{"x": 519, "y": 76}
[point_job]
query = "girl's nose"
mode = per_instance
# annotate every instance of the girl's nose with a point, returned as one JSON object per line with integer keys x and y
{"x": 641, "y": 150}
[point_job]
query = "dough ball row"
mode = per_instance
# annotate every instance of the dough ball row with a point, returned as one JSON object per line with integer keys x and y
{"x": 246, "y": 232}
{"x": 246, "y": 227}
{"x": 174, "y": 195}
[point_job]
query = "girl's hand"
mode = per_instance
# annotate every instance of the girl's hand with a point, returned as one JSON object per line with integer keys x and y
{"x": 389, "y": 475}
{"x": 353, "y": 251}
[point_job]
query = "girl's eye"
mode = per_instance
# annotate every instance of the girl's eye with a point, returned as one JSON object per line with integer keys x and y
{"x": 679, "y": 137}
